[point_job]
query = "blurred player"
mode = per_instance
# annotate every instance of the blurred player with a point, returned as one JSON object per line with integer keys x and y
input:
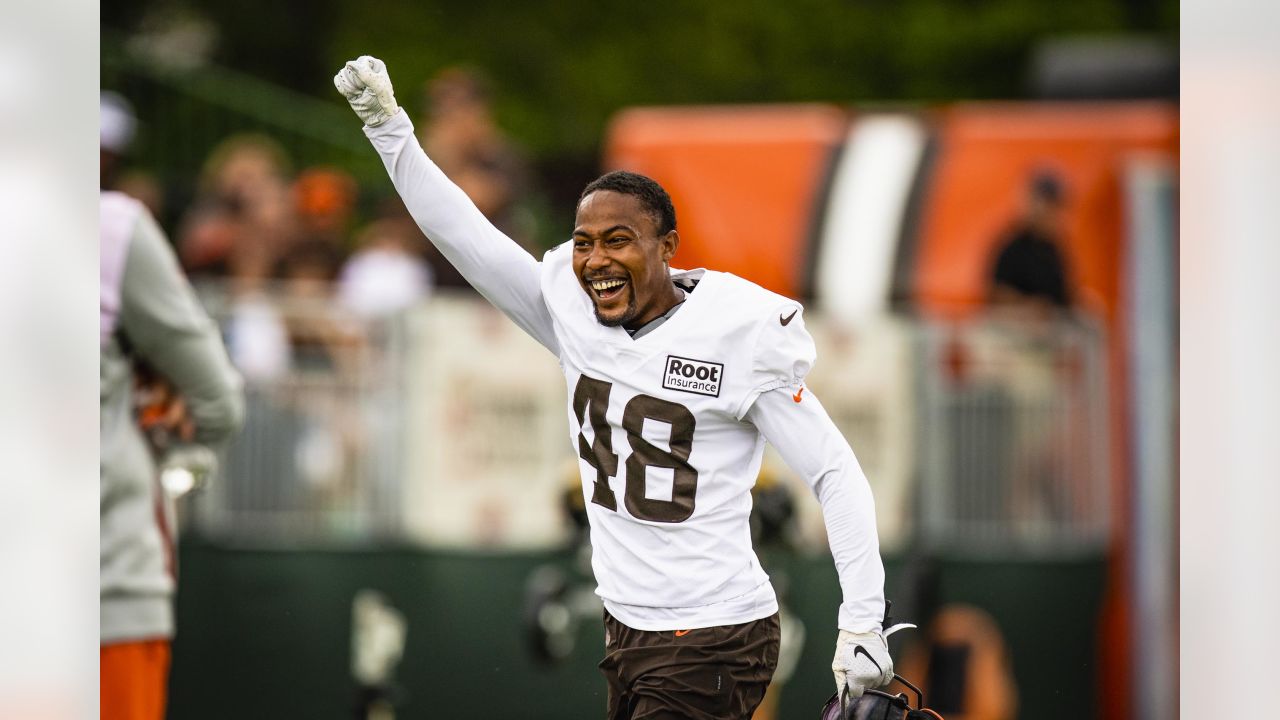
{"x": 149, "y": 318}
{"x": 676, "y": 378}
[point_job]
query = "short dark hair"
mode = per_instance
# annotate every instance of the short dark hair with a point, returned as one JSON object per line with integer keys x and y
{"x": 1047, "y": 186}
{"x": 645, "y": 189}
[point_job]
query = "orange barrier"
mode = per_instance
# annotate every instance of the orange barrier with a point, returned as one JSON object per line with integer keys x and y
{"x": 746, "y": 181}
{"x": 987, "y": 153}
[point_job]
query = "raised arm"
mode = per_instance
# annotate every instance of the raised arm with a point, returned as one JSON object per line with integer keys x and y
{"x": 502, "y": 271}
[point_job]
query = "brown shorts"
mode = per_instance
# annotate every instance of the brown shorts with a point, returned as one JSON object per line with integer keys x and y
{"x": 715, "y": 673}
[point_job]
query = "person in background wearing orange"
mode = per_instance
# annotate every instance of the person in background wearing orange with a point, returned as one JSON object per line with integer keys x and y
{"x": 324, "y": 202}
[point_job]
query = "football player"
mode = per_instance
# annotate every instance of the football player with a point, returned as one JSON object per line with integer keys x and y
{"x": 676, "y": 378}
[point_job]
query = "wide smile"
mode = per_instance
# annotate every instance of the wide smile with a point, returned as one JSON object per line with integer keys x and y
{"x": 606, "y": 289}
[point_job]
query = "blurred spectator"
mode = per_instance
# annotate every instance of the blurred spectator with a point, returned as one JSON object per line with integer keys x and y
{"x": 325, "y": 199}
{"x": 443, "y": 274}
{"x": 243, "y": 204}
{"x": 151, "y": 325}
{"x": 116, "y": 127}
{"x": 257, "y": 338}
{"x": 143, "y": 187}
{"x": 462, "y": 137}
{"x": 256, "y": 334}
{"x": 318, "y": 338}
{"x": 1029, "y": 272}
{"x": 208, "y": 238}
{"x": 1028, "y": 377}
{"x": 385, "y": 275}
{"x": 308, "y": 271}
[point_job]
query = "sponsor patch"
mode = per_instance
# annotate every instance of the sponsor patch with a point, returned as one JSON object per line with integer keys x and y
{"x": 692, "y": 376}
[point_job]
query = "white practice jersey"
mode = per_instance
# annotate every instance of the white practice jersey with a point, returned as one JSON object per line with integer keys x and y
{"x": 670, "y": 425}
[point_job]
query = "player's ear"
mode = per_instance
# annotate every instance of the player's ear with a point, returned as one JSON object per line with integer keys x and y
{"x": 669, "y": 243}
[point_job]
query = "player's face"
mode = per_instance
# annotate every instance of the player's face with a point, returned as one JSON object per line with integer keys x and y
{"x": 620, "y": 260}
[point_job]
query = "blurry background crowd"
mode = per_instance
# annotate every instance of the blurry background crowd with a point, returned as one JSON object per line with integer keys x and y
{"x": 990, "y": 286}
{"x": 255, "y": 224}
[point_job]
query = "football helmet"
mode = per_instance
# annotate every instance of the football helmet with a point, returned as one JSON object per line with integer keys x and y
{"x": 878, "y": 705}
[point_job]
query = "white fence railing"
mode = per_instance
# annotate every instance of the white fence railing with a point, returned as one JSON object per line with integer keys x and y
{"x": 320, "y": 456}
{"x": 447, "y": 426}
{"x": 1013, "y": 436}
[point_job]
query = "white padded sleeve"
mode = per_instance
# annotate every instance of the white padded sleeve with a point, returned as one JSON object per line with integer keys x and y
{"x": 813, "y": 448}
{"x": 493, "y": 263}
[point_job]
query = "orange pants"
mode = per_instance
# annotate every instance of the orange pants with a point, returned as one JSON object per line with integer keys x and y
{"x": 134, "y": 678}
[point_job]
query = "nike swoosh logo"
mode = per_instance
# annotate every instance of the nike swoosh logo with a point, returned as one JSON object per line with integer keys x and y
{"x": 682, "y": 633}
{"x": 787, "y": 319}
{"x": 863, "y": 650}
{"x": 796, "y": 397}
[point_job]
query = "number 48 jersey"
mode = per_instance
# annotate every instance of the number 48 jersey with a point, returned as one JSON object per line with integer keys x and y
{"x": 667, "y": 459}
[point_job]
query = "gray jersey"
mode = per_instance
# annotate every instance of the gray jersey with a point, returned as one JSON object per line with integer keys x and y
{"x": 148, "y": 312}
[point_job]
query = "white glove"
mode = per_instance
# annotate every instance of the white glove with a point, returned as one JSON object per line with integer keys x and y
{"x": 861, "y": 663}
{"x": 365, "y": 84}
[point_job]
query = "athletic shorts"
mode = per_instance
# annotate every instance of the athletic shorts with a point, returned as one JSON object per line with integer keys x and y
{"x": 133, "y": 680}
{"x": 715, "y": 673}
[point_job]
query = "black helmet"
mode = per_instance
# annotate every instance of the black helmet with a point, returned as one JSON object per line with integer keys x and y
{"x": 878, "y": 705}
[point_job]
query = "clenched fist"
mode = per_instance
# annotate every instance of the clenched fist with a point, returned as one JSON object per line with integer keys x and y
{"x": 365, "y": 84}
{"x": 861, "y": 663}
